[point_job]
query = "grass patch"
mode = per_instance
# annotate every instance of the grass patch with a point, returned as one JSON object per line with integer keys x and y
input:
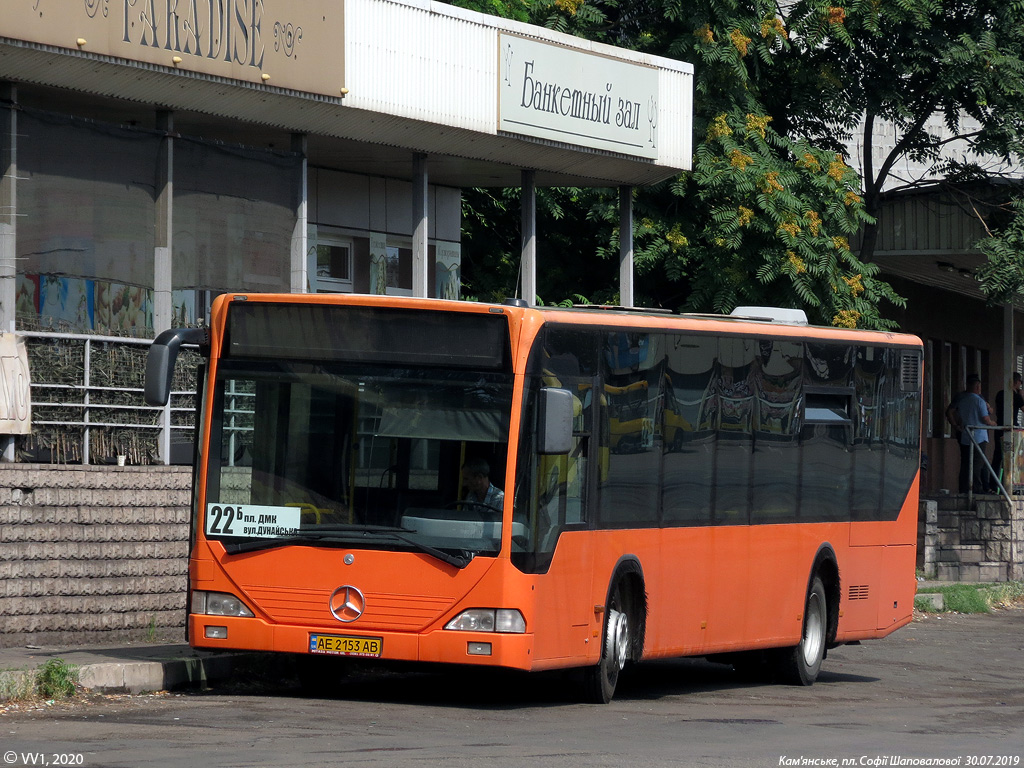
{"x": 972, "y": 598}
{"x": 17, "y": 685}
{"x": 56, "y": 679}
{"x": 1007, "y": 594}
{"x": 964, "y": 598}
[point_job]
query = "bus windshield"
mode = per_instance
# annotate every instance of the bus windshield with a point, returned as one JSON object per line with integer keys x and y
{"x": 366, "y": 456}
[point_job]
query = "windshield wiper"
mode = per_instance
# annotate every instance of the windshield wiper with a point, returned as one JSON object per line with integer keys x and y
{"x": 258, "y": 544}
{"x": 329, "y": 534}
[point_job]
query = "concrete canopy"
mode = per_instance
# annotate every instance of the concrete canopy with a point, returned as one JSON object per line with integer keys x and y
{"x": 339, "y": 136}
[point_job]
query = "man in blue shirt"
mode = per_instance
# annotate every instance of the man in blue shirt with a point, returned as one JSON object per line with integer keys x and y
{"x": 970, "y": 409}
{"x": 476, "y": 477}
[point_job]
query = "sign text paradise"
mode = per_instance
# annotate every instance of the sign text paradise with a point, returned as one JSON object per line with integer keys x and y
{"x": 228, "y": 30}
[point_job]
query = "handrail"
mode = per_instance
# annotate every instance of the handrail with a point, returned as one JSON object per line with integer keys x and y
{"x": 970, "y": 463}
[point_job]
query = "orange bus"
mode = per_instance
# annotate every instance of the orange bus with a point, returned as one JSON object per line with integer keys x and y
{"x": 778, "y": 521}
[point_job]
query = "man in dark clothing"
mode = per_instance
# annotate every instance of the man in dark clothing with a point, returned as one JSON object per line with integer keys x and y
{"x": 1018, "y": 403}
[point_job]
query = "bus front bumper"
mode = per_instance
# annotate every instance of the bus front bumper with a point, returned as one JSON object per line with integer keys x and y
{"x": 497, "y": 649}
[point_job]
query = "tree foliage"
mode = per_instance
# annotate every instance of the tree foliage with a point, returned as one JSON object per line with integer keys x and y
{"x": 1002, "y": 275}
{"x": 903, "y": 65}
{"x": 769, "y": 210}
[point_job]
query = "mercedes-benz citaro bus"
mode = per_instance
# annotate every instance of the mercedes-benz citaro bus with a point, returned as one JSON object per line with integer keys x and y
{"x": 772, "y": 517}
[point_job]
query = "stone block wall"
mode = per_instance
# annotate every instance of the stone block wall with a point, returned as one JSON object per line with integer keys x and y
{"x": 983, "y": 542}
{"x": 90, "y": 554}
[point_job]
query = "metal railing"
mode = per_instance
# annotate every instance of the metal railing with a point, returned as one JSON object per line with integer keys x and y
{"x": 87, "y": 402}
{"x": 976, "y": 449}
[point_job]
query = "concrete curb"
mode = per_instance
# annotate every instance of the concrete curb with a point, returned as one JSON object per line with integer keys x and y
{"x": 170, "y": 668}
{"x": 143, "y": 676}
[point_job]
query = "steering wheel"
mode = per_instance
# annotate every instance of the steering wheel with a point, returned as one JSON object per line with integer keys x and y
{"x": 487, "y": 513}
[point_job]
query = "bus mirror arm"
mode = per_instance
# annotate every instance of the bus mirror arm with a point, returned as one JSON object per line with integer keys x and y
{"x": 160, "y": 361}
{"x": 554, "y": 421}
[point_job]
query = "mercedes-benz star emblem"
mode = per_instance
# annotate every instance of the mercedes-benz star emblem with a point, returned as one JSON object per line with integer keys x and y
{"x": 347, "y": 603}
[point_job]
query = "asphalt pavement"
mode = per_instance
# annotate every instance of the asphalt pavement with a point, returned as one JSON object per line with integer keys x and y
{"x": 129, "y": 668}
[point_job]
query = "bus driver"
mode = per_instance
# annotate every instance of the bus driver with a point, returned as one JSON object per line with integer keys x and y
{"x": 476, "y": 478}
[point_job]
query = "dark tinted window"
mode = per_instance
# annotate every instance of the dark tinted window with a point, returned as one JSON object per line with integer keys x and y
{"x": 628, "y": 491}
{"x": 776, "y": 440}
{"x": 689, "y": 417}
{"x": 327, "y": 332}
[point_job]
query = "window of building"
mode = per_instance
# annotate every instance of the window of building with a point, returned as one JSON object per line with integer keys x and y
{"x": 333, "y": 265}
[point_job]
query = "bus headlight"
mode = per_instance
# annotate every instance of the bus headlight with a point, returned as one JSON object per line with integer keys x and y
{"x": 218, "y": 604}
{"x": 489, "y": 620}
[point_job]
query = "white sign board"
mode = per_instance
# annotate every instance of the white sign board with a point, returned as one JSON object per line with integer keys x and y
{"x": 575, "y": 97}
{"x": 15, "y": 397}
{"x": 251, "y": 521}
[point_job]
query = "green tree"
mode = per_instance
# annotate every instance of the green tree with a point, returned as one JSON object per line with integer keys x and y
{"x": 768, "y": 211}
{"x": 905, "y": 62}
{"x": 1002, "y": 275}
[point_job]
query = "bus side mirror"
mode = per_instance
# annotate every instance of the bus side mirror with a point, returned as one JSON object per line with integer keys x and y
{"x": 554, "y": 425}
{"x": 160, "y": 361}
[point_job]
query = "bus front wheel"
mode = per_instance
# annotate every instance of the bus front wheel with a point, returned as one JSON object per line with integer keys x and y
{"x": 801, "y": 663}
{"x": 600, "y": 680}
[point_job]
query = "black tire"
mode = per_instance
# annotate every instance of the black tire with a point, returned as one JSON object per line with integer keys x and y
{"x": 599, "y": 681}
{"x": 800, "y": 664}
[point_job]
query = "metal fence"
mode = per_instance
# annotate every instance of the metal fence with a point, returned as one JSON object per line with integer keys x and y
{"x": 88, "y": 408}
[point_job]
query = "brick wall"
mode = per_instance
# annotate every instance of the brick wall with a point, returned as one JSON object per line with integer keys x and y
{"x": 983, "y": 543}
{"x": 90, "y": 554}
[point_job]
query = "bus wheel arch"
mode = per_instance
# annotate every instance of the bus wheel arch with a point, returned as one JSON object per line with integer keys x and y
{"x": 800, "y": 664}
{"x": 624, "y": 626}
{"x": 827, "y": 569}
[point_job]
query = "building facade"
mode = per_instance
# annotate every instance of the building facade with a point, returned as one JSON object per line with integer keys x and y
{"x": 156, "y": 154}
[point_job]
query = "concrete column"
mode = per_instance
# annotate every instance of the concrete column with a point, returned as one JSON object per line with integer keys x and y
{"x": 626, "y": 246}
{"x": 299, "y": 268}
{"x": 420, "y": 260}
{"x": 8, "y": 203}
{"x": 1006, "y": 417}
{"x": 8, "y": 221}
{"x": 163, "y": 304}
{"x": 528, "y": 260}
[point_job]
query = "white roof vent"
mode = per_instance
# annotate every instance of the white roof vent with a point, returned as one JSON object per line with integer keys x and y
{"x": 772, "y": 315}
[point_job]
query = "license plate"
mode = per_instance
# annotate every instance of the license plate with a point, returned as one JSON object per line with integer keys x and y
{"x": 346, "y": 645}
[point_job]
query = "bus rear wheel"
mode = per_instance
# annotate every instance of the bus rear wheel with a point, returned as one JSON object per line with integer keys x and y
{"x": 600, "y": 681}
{"x": 800, "y": 664}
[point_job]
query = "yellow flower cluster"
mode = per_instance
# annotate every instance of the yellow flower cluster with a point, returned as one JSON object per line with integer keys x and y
{"x": 705, "y": 34}
{"x": 852, "y": 198}
{"x": 841, "y": 243}
{"x": 758, "y": 123}
{"x": 770, "y": 183}
{"x": 856, "y": 284}
{"x": 836, "y": 15}
{"x": 569, "y": 6}
{"x": 796, "y": 262}
{"x": 719, "y": 127}
{"x": 847, "y": 318}
{"x": 773, "y": 27}
{"x": 745, "y": 215}
{"x": 739, "y": 40}
{"x": 809, "y": 161}
{"x": 837, "y": 168}
{"x": 676, "y": 238}
{"x": 739, "y": 160}
{"x": 791, "y": 228}
{"x": 813, "y": 222}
